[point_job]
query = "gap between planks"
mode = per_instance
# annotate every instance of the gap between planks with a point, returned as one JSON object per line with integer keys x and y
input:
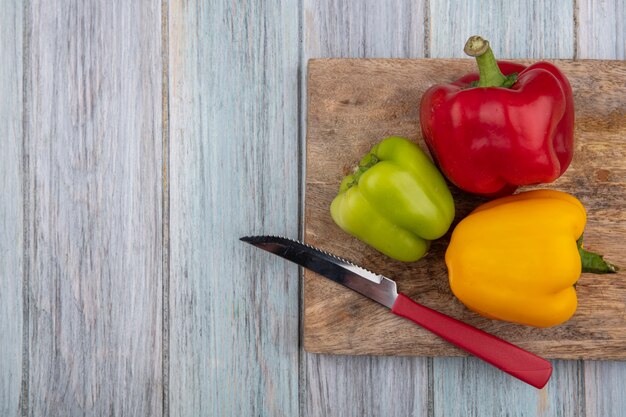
{"x": 26, "y": 215}
{"x": 165, "y": 206}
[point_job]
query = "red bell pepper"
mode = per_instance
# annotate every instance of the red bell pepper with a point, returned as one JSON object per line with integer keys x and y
{"x": 490, "y": 133}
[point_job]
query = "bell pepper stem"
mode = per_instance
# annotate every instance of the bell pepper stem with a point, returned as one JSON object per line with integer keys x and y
{"x": 490, "y": 74}
{"x": 594, "y": 263}
{"x": 368, "y": 161}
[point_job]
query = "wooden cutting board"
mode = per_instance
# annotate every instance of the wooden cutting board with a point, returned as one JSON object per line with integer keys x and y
{"x": 352, "y": 104}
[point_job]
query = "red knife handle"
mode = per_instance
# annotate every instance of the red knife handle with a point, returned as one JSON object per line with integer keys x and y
{"x": 503, "y": 355}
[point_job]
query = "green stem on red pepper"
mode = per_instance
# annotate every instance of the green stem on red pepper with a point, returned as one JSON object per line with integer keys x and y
{"x": 594, "y": 263}
{"x": 490, "y": 74}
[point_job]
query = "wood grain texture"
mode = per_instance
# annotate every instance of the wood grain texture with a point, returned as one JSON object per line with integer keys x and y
{"x": 605, "y": 389}
{"x": 470, "y": 387}
{"x": 515, "y": 29}
{"x": 363, "y": 29}
{"x": 233, "y": 172}
{"x": 355, "y": 103}
{"x": 364, "y": 386}
{"x": 601, "y": 33}
{"x": 11, "y": 208}
{"x": 94, "y": 146}
{"x": 343, "y": 385}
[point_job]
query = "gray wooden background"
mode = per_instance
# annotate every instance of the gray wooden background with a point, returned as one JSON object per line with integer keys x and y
{"x": 140, "y": 139}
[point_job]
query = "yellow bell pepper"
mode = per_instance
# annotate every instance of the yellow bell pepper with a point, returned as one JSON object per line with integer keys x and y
{"x": 517, "y": 258}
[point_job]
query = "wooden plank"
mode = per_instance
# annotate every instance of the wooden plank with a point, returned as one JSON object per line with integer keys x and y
{"x": 515, "y": 29}
{"x": 355, "y": 103}
{"x": 601, "y": 36}
{"x": 233, "y": 172}
{"x": 363, "y": 29}
{"x": 601, "y": 32}
{"x": 94, "y": 146}
{"x": 478, "y": 389}
{"x": 343, "y": 385}
{"x": 11, "y": 208}
{"x": 366, "y": 386}
{"x": 605, "y": 386}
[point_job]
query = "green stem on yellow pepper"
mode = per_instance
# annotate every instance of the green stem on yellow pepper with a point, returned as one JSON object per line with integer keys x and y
{"x": 490, "y": 74}
{"x": 594, "y": 263}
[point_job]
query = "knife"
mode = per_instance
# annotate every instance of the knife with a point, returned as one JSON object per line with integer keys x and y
{"x": 503, "y": 355}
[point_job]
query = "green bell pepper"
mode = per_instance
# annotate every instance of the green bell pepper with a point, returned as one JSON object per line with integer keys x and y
{"x": 396, "y": 200}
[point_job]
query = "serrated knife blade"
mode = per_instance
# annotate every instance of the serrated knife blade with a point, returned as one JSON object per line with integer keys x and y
{"x": 374, "y": 286}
